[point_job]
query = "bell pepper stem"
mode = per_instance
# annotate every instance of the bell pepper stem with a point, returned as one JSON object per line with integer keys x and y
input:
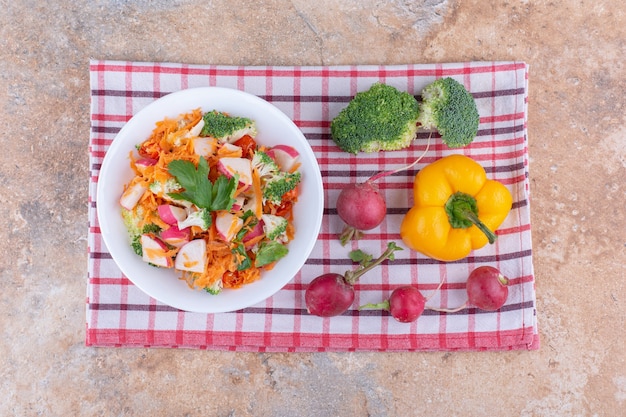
{"x": 469, "y": 215}
{"x": 462, "y": 212}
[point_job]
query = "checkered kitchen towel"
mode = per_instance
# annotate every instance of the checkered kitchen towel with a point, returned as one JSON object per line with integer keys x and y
{"x": 119, "y": 314}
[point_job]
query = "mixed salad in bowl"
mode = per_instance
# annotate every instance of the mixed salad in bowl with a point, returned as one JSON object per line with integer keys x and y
{"x": 152, "y": 198}
{"x": 209, "y": 202}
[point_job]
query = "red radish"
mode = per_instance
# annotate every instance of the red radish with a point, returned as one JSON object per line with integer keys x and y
{"x": 487, "y": 288}
{"x": 192, "y": 256}
{"x": 175, "y": 236}
{"x": 329, "y": 295}
{"x": 227, "y": 225}
{"x": 155, "y": 251}
{"x": 405, "y": 304}
{"x": 285, "y": 156}
{"x": 143, "y": 163}
{"x": 237, "y": 166}
{"x": 362, "y": 208}
{"x": 131, "y": 196}
{"x": 332, "y": 294}
{"x": 171, "y": 214}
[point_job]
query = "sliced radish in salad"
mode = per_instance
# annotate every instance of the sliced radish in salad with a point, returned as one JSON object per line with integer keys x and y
{"x": 155, "y": 251}
{"x": 204, "y": 146}
{"x": 227, "y": 225}
{"x": 175, "y": 236}
{"x": 285, "y": 156}
{"x": 143, "y": 163}
{"x": 230, "y": 150}
{"x": 239, "y": 202}
{"x": 192, "y": 256}
{"x": 256, "y": 231}
{"x": 171, "y": 214}
{"x": 132, "y": 195}
{"x": 195, "y": 131}
{"x": 237, "y": 166}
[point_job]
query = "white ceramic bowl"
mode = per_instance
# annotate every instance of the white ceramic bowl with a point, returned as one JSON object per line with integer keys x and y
{"x": 273, "y": 127}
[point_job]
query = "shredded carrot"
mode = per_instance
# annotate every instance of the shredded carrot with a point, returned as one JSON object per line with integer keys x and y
{"x": 257, "y": 239}
{"x": 258, "y": 194}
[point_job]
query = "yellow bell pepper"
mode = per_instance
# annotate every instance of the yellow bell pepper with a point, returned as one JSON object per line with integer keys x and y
{"x": 456, "y": 209}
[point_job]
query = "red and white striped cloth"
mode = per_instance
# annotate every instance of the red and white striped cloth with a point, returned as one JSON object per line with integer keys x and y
{"x": 119, "y": 314}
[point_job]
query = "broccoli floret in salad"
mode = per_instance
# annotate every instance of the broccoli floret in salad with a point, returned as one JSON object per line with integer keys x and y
{"x": 448, "y": 107}
{"x": 201, "y": 218}
{"x": 164, "y": 188}
{"x": 131, "y": 221}
{"x": 227, "y": 128}
{"x": 264, "y": 164}
{"x": 275, "y": 183}
{"x": 215, "y": 288}
{"x": 274, "y": 227}
{"x": 280, "y": 185}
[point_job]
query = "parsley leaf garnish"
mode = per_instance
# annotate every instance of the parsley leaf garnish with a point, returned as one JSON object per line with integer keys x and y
{"x": 198, "y": 189}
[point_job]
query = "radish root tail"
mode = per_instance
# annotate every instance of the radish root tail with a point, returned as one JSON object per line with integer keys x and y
{"x": 380, "y": 175}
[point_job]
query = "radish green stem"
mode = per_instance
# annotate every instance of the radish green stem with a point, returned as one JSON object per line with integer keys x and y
{"x": 348, "y": 234}
{"x": 503, "y": 280}
{"x": 352, "y": 276}
{"x": 380, "y": 175}
{"x": 378, "y": 306}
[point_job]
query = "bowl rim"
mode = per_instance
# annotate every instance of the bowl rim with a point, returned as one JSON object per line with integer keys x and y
{"x": 172, "y": 105}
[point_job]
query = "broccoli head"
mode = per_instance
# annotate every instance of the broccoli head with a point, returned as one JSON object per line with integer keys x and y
{"x": 201, "y": 218}
{"x": 275, "y": 183}
{"x": 280, "y": 184}
{"x": 382, "y": 118}
{"x": 274, "y": 226}
{"x": 214, "y": 288}
{"x": 164, "y": 188}
{"x": 132, "y": 219}
{"x": 264, "y": 164}
{"x": 227, "y": 128}
{"x": 448, "y": 107}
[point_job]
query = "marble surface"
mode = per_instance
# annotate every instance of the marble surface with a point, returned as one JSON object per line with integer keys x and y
{"x": 577, "y": 132}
